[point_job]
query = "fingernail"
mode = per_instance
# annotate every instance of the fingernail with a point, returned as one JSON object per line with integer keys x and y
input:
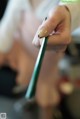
{"x": 42, "y": 33}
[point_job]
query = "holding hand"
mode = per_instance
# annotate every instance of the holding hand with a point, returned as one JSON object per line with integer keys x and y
{"x": 57, "y": 27}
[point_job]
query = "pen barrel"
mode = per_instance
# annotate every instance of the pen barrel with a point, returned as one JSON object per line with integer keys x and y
{"x": 32, "y": 85}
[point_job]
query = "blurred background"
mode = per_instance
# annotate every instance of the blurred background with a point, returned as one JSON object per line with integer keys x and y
{"x": 14, "y": 104}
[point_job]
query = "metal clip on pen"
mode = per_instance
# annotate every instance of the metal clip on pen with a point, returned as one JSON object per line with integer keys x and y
{"x": 32, "y": 85}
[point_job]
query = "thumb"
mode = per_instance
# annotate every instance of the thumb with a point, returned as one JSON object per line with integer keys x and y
{"x": 50, "y": 24}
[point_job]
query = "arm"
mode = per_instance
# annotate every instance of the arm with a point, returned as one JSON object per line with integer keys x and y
{"x": 10, "y": 23}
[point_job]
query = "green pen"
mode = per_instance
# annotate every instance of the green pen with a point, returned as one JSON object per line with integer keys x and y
{"x": 32, "y": 85}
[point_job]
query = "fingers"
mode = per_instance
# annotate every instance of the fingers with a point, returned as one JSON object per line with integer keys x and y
{"x": 59, "y": 39}
{"x": 46, "y": 28}
{"x": 49, "y": 25}
{"x": 57, "y": 42}
{"x": 56, "y": 17}
{"x": 57, "y": 27}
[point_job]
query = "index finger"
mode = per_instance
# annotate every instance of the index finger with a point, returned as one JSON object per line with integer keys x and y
{"x": 50, "y": 24}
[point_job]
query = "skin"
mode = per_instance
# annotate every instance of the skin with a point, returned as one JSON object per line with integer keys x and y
{"x": 57, "y": 27}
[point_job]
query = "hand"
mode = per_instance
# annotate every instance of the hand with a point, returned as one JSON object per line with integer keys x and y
{"x": 58, "y": 29}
